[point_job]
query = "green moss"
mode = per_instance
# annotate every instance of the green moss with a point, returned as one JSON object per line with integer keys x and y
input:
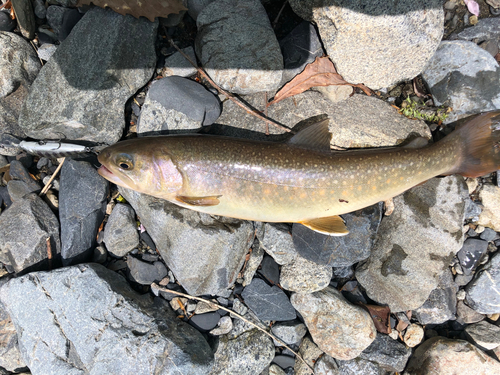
{"x": 413, "y": 110}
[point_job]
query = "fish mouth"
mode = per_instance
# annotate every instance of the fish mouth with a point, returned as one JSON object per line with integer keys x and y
{"x": 110, "y": 176}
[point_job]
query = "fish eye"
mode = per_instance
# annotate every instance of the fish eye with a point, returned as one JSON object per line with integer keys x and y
{"x": 125, "y": 165}
{"x": 124, "y": 161}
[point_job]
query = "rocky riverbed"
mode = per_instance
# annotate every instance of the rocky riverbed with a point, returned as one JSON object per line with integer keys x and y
{"x": 89, "y": 271}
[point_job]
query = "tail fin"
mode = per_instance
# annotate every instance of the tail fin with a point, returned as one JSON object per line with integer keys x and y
{"x": 479, "y": 140}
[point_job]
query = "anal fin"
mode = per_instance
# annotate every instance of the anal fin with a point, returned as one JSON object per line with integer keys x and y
{"x": 199, "y": 201}
{"x": 331, "y": 225}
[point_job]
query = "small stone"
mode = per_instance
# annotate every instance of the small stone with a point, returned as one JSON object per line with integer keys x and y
{"x": 276, "y": 239}
{"x": 120, "y": 233}
{"x": 390, "y": 354}
{"x": 274, "y": 370}
{"x": 284, "y": 361}
{"x": 6, "y": 23}
{"x": 177, "y": 65}
{"x": 54, "y": 183}
{"x": 482, "y": 292}
{"x": 204, "y": 307}
{"x": 485, "y": 335}
{"x": 270, "y": 270}
{"x": 205, "y": 322}
{"x": 310, "y": 353}
{"x": 414, "y": 335}
{"x": 18, "y": 189}
{"x": 461, "y": 295}
{"x": 100, "y": 254}
{"x": 466, "y": 315}
{"x": 145, "y": 273}
{"x": 289, "y": 332}
{"x": 224, "y": 326}
{"x": 489, "y": 235}
{"x": 471, "y": 253}
{"x": 304, "y": 276}
{"x": 253, "y": 263}
{"x": 18, "y": 171}
{"x": 45, "y": 51}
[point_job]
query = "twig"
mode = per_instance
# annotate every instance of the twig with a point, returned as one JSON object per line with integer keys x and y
{"x": 265, "y": 113}
{"x": 49, "y": 252}
{"x": 161, "y": 289}
{"x": 279, "y": 14}
{"x": 47, "y": 186}
{"x": 222, "y": 91}
{"x": 36, "y": 50}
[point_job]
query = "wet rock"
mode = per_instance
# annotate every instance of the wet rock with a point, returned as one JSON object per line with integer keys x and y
{"x": 177, "y": 104}
{"x": 118, "y": 330}
{"x": 145, "y": 273}
{"x": 82, "y": 205}
{"x": 270, "y": 270}
{"x": 490, "y": 198}
{"x": 100, "y": 72}
{"x": 463, "y": 76}
{"x": 471, "y": 253}
{"x": 276, "y": 239}
{"x": 444, "y": 356}
{"x": 249, "y": 353}
{"x": 391, "y": 32}
{"x": 177, "y": 65}
{"x": 24, "y": 229}
{"x": 10, "y": 355}
{"x": 19, "y": 65}
{"x": 120, "y": 233}
{"x": 304, "y": 276}
{"x": 268, "y": 303}
{"x": 341, "y": 251}
{"x": 204, "y": 253}
{"x": 339, "y": 328}
{"x": 482, "y": 292}
{"x": 415, "y": 244}
{"x": 465, "y": 315}
{"x": 414, "y": 335}
{"x": 237, "y": 46}
{"x": 290, "y": 332}
{"x": 485, "y": 335}
{"x": 390, "y": 354}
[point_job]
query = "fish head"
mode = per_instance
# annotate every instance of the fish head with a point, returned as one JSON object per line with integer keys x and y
{"x": 139, "y": 165}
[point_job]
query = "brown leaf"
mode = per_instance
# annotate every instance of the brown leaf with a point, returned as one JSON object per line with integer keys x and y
{"x": 497, "y": 57}
{"x": 380, "y": 316}
{"x": 137, "y": 8}
{"x": 321, "y": 72}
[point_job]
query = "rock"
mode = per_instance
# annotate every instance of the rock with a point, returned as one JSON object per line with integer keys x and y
{"x": 6, "y": 23}
{"x": 390, "y": 32}
{"x": 489, "y": 235}
{"x": 25, "y": 17}
{"x": 359, "y": 366}
{"x": 145, "y": 273}
{"x": 24, "y": 229}
{"x": 490, "y": 198}
{"x": 177, "y": 104}
{"x": 256, "y": 256}
{"x": 19, "y": 65}
{"x": 290, "y": 332}
{"x": 118, "y": 330}
{"x": 69, "y": 20}
{"x": 310, "y": 353}
{"x": 204, "y": 253}
{"x": 17, "y": 171}
{"x": 471, "y": 253}
{"x": 485, "y": 335}
{"x": 284, "y": 361}
{"x": 100, "y": 254}
{"x": 10, "y": 355}
{"x": 205, "y": 322}
{"x": 304, "y": 276}
{"x": 39, "y": 9}
{"x": 463, "y": 76}
{"x": 414, "y": 335}
{"x": 276, "y": 239}
{"x": 299, "y": 48}
{"x": 120, "y": 233}
{"x": 82, "y": 204}
{"x": 482, "y": 292}
{"x": 274, "y": 370}
{"x": 465, "y": 315}
{"x": 339, "y": 328}
{"x": 360, "y": 121}
{"x": 196, "y": 6}
{"x": 326, "y": 365}
{"x": 224, "y": 326}
{"x": 335, "y": 94}
{"x": 390, "y": 354}
{"x": 54, "y": 16}
{"x": 249, "y": 353}
{"x": 340, "y": 251}
{"x": 268, "y": 303}
{"x": 177, "y": 65}
{"x": 270, "y": 270}
{"x": 485, "y": 29}
{"x": 18, "y": 189}
{"x": 415, "y": 244}
{"x": 237, "y": 46}
{"x": 444, "y": 356}
{"x": 100, "y": 72}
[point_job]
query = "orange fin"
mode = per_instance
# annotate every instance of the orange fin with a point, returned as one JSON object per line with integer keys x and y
{"x": 331, "y": 226}
{"x": 199, "y": 201}
{"x": 316, "y": 137}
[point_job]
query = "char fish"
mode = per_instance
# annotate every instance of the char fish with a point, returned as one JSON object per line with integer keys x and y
{"x": 300, "y": 180}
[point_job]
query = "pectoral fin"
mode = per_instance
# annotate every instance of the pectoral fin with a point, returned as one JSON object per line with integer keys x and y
{"x": 331, "y": 226}
{"x": 199, "y": 201}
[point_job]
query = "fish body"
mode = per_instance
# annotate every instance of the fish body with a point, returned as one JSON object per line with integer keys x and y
{"x": 296, "y": 181}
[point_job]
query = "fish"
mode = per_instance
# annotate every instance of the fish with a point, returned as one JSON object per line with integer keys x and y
{"x": 298, "y": 181}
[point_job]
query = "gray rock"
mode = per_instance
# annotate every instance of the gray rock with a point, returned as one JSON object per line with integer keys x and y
{"x": 224, "y": 326}
{"x": 10, "y": 355}
{"x": 269, "y": 269}
{"x": 253, "y": 262}
{"x": 268, "y": 303}
{"x": 18, "y": 189}
{"x": 82, "y": 205}
{"x": 326, "y": 365}
{"x": 342, "y": 251}
{"x": 471, "y": 253}
{"x": 489, "y": 235}
{"x": 177, "y": 104}
{"x": 485, "y": 335}
{"x": 340, "y": 329}
{"x": 196, "y": 6}
{"x": 390, "y": 354}
{"x": 485, "y": 29}
{"x": 145, "y": 273}
{"x": 25, "y": 17}
{"x": 19, "y": 65}
{"x": 415, "y": 244}
{"x": 6, "y": 23}
{"x": 237, "y": 46}
{"x": 17, "y": 171}
{"x": 249, "y": 353}
{"x": 117, "y": 330}
{"x": 443, "y": 356}
{"x": 205, "y": 322}
{"x": 177, "y": 65}
{"x": 390, "y": 31}
{"x": 120, "y": 232}
{"x": 24, "y": 229}
{"x": 359, "y": 366}
{"x": 204, "y": 253}
{"x": 482, "y": 292}
{"x": 69, "y": 20}
{"x": 54, "y": 16}
{"x": 284, "y": 361}
{"x": 39, "y": 9}
{"x": 45, "y": 51}
{"x": 90, "y": 79}
{"x": 310, "y": 353}
{"x": 304, "y": 276}
{"x": 100, "y": 254}
{"x": 465, "y": 315}
{"x": 276, "y": 239}
{"x": 290, "y": 332}
{"x": 464, "y": 77}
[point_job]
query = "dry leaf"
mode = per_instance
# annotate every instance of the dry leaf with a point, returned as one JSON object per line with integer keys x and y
{"x": 380, "y": 316}
{"x": 321, "y": 72}
{"x": 497, "y": 57}
{"x": 137, "y": 8}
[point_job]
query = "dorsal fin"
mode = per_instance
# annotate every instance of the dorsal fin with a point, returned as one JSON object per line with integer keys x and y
{"x": 315, "y": 136}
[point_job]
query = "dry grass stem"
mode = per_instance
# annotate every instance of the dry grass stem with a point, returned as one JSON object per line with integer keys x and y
{"x": 47, "y": 187}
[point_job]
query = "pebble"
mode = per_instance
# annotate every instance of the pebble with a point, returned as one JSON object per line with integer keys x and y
{"x": 205, "y": 322}
{"x": 178, "y": 65}
{"x": 490, "y": 199}
{"x": 485, "y": 335}
{"x": 120, "y": 232}
{"x": 276, "y": 240}
{"x": 310, "y": 353}
{"x": 270, "y": 270}
{"x": 100, "y": 254}
{"x": 471, "y": 253}
{"x": 284, "y": 361}
{"x": 290, "y": 332}
{"x": 6, "y": 23}
{"x": 45, "y": 51}
{"x": 339, "y": 328}
{"x": 489, "y": 235}
{"x": 414, "y": 335}
{"x": 145, "y": 273}
{"x": 482, "y": 292}
{"x": 11, "y": 359}
{"x": 304, "y": 276}
{"x": 224, "y": 326}
{"x": 390, "y": 354}
{"x": 256, "y": 256}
